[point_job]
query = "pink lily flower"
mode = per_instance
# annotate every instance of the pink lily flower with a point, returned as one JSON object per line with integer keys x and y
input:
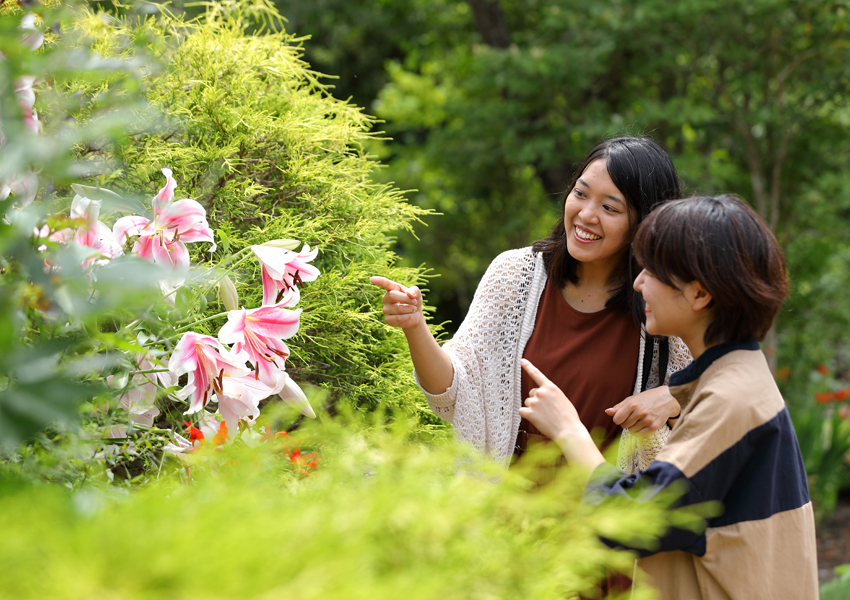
{"x": 139, "y": 400}
{"x": 284, "y": 269}
{"x": 239, "y": 399}
{"x": 260, "y": 333}
{"x": 33, "y": 39}
{"x": 163, "y": 239}
{"x": 23, "y": 185}
{"x": 92, "y": 233}
{"x": 207, "y": 362}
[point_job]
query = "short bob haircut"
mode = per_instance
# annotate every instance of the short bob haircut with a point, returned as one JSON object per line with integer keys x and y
{"x": 645, "y": 176}
{"x": 722, "y": 243}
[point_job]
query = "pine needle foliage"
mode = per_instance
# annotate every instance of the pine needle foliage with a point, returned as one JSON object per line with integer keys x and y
{"x": 380, "y": 519}
{"x": 253, "y": 135}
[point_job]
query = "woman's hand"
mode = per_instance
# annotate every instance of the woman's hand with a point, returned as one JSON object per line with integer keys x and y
{"x": 402, "y": 305}
{"x": 645, "y": 412}
{"x": 556, "y": 418}
{"x": 548, "y": 407}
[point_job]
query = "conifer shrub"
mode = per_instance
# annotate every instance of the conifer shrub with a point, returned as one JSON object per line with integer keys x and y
{"x": 256, "y": 137}
{"x": 381, "y": 518}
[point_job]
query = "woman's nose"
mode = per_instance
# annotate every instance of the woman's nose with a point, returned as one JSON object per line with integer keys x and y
{"x": 588, "y": 214}
{"x": 638, "y": 284}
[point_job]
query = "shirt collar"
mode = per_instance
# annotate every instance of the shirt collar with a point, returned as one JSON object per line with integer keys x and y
{"x": 695, "y": 370}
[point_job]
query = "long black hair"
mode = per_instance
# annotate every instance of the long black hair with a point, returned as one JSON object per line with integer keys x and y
{"x": 645, "y": 175}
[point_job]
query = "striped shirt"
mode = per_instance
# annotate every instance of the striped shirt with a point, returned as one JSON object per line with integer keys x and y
{"x": 734, "y": 443}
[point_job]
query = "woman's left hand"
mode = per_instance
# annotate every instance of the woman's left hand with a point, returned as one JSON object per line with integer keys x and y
{"x": 645, "y": 412}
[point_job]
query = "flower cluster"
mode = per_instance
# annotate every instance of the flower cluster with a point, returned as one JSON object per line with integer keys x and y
{"x": 235, "y": 371}
{"x": 24, "y": 185}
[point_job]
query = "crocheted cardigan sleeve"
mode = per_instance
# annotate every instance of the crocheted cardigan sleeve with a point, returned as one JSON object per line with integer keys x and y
{"x": 483, "y": 400}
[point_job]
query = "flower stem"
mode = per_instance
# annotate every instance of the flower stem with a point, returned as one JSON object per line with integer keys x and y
{"x": 185, "y": 327}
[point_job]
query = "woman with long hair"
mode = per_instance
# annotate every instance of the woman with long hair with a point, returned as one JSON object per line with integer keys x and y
{"x": 567, "y": 305}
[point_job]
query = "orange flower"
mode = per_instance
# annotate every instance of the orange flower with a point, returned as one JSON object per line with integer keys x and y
{"x": 842, "y": 394}
{"x": 783, "y": 373}
{"x": 824, "y": 397}
{"x": 304, "y": 463}
{"x": 823, "y": 370}
{"x": 220, "y": 438}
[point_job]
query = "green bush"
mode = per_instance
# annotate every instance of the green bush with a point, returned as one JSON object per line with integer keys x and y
{"x": 380, "y": 518}
{"x": 252, "y": 134}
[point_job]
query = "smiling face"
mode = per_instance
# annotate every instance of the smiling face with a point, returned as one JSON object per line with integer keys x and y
{"x": 683, "y": 311}
{"x": 596, "y": 219}
{"x": 668, "y": 311}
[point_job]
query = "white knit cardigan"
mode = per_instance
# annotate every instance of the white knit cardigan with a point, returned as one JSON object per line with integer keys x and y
{"x": 484, "y": 398}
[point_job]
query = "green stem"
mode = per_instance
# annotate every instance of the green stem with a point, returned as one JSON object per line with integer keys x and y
{"x": 192, "y": 324}
{"x": 132, "y": 373}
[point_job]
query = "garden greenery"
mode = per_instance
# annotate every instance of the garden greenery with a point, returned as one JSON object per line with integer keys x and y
{"x": 106, "y": 316}
{"x": 381, "y": 518}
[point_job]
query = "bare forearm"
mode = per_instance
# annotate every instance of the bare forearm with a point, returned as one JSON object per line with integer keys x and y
{"x": 432, "y": 364}
{"x": 580, "y": 449}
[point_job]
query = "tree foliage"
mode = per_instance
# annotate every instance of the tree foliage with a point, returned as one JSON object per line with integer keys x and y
{"x": 491, "y": 103}
{"x": 253, "y": 135}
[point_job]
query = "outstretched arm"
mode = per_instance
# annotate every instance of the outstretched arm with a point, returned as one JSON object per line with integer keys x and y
{"x": 403, "y": 309}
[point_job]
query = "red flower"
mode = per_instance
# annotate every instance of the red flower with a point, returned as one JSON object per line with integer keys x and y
{"x": 824, "y": 397}
{"x": 195, "y": 434}
{"x": 842, "y": 394}
{"x": 823, "y": 370}
{"x": 305, "y": 463}
{"x": 783, "y": 373}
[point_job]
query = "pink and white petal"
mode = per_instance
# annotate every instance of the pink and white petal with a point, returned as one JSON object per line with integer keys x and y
{"x": 233, "y": 331}
{"x": 273, "y": 321}
{"x": 34, "y": 38}
{"x": 182, "y": 214}
{"x": 110, "y": 247}
{"x": 235, "y": 405}
{"x": 24, "y": 91}
{"x": 308, "y": 255}
{"x": 166, "y": 194}
{"x": 270, "y": 288}
{"x": 143, "y": 248}
{"x": 274, "y": 259}
{"x": 172, "y": 256}
{"x": 126, "y": 227}
{"x": 306, "y": 272}
{"x": 199, "y": 233}
{"x": 185, "y": 355}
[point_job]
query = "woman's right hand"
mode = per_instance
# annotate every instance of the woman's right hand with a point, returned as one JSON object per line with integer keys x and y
{"x": 402, "y": 305}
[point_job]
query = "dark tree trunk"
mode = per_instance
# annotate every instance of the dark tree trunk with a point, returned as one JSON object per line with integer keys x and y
{"x": 491, "y": 23}
{"x": 493, "y": 26}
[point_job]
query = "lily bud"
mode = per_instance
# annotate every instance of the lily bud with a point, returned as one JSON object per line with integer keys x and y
{"x": 292, "y": 395}
{"x": 228, "y": 294}
{"x": 285, "y": 244}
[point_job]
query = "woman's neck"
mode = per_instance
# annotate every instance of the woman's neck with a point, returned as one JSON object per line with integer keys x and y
{"x": 593, "y": 289}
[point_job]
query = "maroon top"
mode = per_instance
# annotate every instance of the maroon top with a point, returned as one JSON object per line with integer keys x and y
{"x": 592, "y": 357}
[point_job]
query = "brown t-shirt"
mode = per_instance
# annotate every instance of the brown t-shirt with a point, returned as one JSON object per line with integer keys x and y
{"x": 591, "y": 357}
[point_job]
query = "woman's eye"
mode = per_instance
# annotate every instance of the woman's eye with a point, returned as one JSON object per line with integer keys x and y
{"x": 610, "y": 208}
{"x": 578, "y": 193}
